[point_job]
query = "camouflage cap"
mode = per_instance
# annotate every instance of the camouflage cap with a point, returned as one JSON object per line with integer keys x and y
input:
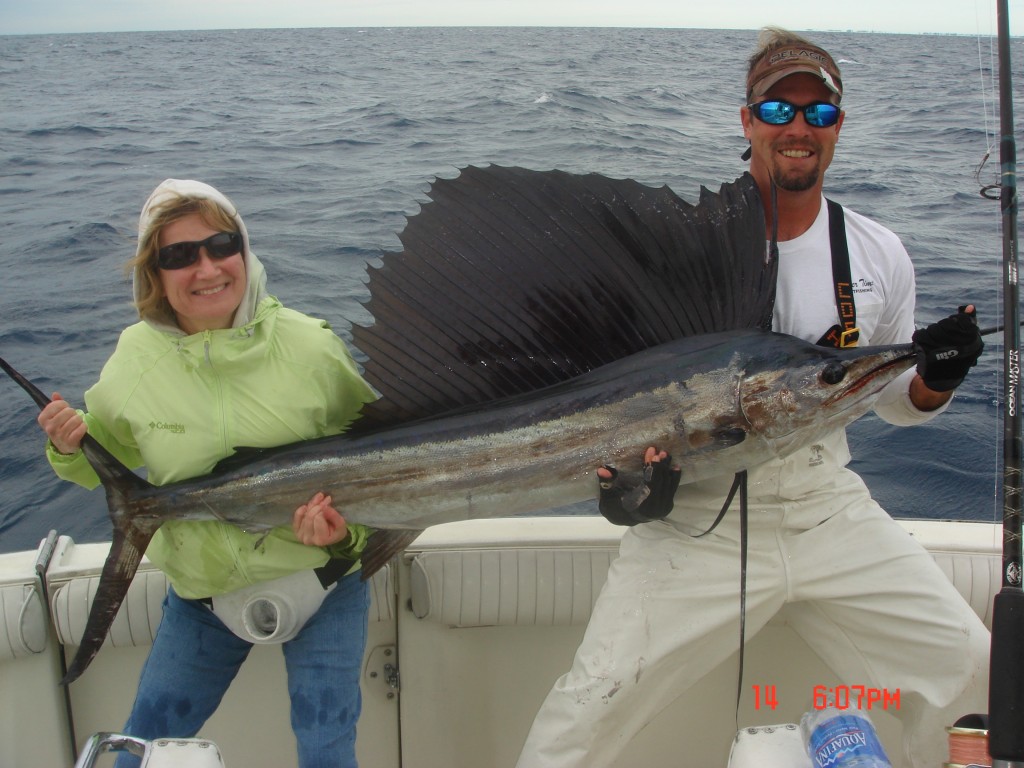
{"x": 789, "y": 60}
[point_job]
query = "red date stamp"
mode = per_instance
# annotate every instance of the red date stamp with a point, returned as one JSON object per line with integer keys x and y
{"x": 841, "y": 697}
{"x": 765, "y": 696}
{"x": 855, "y": 697}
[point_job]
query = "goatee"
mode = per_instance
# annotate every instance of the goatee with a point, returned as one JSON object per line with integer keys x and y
{"x": 796, "y": 182}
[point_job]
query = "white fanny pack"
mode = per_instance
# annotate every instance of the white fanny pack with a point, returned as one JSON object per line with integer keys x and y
{"x": 272, "y": 611}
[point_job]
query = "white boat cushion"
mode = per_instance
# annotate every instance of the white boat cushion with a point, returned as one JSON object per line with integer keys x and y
{"x": 24, "y": 630}
{"x": 976, "y": 576}
{"x": 769, "y": 746}
{"x": 158, "y": 753}
{"x": 137, "y": 620}
{"x": 179, "y": 753}
{"x": 533, "y": 586}
{"x": 455, "y": 587}
{"x": 548, "y": 586}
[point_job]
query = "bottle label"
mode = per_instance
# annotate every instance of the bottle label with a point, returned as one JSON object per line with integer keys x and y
{"x": 846, "y": 740}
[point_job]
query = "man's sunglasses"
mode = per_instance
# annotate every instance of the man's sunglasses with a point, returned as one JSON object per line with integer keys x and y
{"x": 179, "y": 255}
{"x": 820, "y": 114}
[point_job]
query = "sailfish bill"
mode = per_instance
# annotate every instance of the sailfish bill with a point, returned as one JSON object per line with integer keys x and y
{"x": 535, "y": 326}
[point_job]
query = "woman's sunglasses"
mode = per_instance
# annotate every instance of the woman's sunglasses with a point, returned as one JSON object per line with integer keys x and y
{"x": 820, "y": 114}
{"x": 179, "y": 255}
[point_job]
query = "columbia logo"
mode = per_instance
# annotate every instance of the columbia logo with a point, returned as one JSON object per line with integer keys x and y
{"x": 178, "y": 429}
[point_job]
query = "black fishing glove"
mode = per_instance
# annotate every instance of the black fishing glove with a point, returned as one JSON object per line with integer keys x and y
{"x": 629, "y": 498}
{"x": 946, "y": 350}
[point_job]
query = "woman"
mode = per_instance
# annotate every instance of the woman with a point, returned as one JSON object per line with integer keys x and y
{"x": 216, "y": 363}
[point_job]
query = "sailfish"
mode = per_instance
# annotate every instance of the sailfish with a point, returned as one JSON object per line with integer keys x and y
{"x": 535, "y": 326}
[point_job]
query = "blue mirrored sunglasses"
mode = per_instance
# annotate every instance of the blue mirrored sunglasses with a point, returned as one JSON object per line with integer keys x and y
{"x": 179, "y": 255}
{"x": 820, "y": 114}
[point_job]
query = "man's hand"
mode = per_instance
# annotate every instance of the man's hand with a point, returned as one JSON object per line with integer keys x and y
{"x": 948, "y": 349}
{"x": 318, "y": 524}
{"x": 631, "y": 498}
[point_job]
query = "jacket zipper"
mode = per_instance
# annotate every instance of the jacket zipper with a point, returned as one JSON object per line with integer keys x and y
{"x": 219, "y": 389}
{"x": 227, "y": 449}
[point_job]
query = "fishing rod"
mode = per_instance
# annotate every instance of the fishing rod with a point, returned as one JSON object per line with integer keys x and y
{"x": 997, "y": 328}
{"x": 1006, "y": 672}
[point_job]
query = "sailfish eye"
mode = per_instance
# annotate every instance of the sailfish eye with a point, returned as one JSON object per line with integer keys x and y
{"x": 833, "y": 372}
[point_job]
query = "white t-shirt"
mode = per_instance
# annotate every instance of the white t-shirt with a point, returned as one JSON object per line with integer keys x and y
{"x": 881, "y": 273}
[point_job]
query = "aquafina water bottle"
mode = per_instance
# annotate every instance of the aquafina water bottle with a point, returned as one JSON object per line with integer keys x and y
{"x": 842, "y": 739}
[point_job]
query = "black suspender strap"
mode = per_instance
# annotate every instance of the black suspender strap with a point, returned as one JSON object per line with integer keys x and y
{"x": 845, "y": 333}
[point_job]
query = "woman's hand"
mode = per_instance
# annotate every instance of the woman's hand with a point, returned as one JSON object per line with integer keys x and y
{"x": 62, "y": 425}
{"x": 318, "y": 524}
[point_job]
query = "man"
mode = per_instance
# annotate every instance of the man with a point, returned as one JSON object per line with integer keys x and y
{"x": 863, "y": 594}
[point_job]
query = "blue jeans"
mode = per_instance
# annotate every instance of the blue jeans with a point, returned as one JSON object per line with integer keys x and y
{"x": 195, "y": 657}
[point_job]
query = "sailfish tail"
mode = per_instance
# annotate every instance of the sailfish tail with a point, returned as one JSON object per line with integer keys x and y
{"x": 133, "y": 530}
{"x": 118, "y": 570}
{"x": 132, "y": 533}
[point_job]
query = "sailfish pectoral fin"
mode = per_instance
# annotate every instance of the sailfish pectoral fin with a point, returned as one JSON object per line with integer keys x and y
{"x": 118, "y": 571}
{"x": 382, "y": 546}
{"x": 726, "y": 437}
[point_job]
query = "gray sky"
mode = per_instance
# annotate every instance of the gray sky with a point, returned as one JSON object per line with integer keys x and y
{"x": 969, "y": 17}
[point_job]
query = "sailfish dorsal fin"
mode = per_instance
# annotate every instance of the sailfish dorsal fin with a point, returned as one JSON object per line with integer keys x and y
{"x": 511, "y": 280}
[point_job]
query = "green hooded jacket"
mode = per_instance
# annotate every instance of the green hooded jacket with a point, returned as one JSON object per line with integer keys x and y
{"x": 177, "y": 405}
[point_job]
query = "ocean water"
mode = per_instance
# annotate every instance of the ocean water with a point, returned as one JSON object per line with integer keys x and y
{"x": 327, "y": 139}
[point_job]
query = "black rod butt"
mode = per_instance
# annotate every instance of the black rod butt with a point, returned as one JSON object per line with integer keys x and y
{"x": 1006, "y": 679}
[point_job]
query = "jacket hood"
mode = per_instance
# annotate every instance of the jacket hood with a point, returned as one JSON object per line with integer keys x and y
{"x": 256, "y": 276}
